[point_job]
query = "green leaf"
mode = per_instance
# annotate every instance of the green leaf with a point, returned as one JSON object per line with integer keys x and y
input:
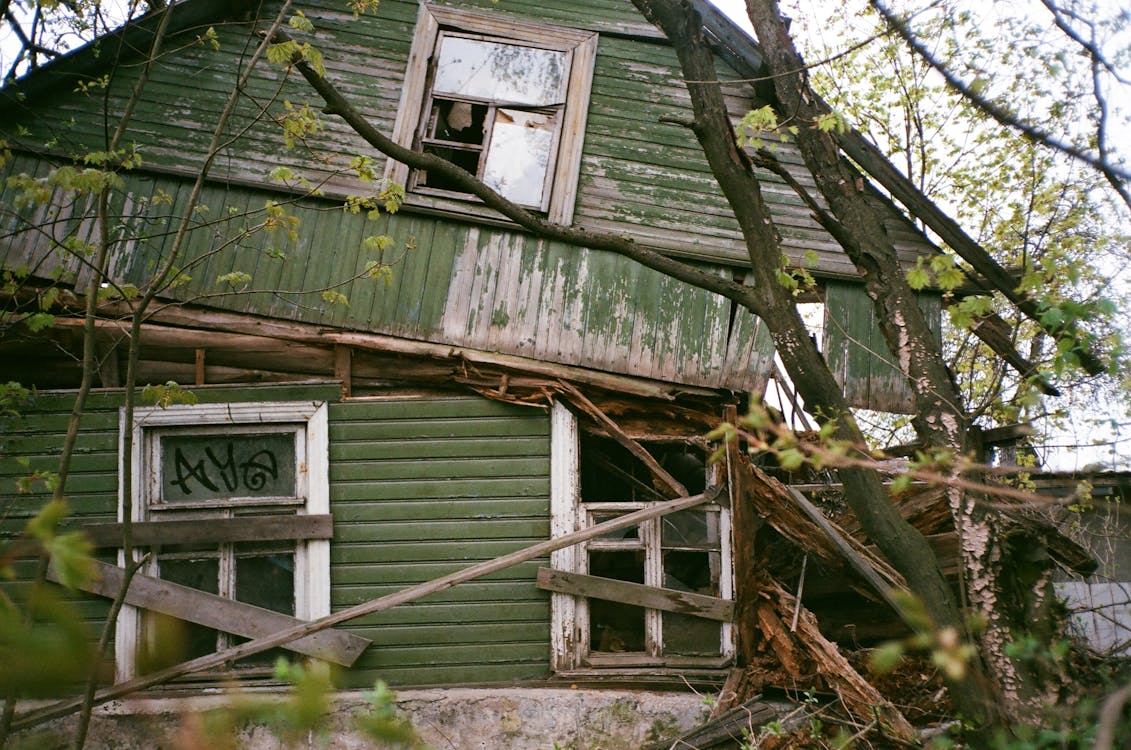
{"x": 71, "y": 557}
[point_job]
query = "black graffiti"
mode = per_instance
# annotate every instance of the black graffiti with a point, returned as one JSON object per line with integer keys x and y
{"x": 220, "y": 466}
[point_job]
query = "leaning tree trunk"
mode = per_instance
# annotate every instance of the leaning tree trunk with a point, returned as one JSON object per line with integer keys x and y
{"x": 940, "y": 420}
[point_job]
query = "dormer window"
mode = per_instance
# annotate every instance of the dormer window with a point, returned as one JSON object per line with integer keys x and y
{"x": 504, "y": 100}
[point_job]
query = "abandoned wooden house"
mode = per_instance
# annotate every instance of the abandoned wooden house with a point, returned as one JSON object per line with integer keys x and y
{"x": 384, "y": 398}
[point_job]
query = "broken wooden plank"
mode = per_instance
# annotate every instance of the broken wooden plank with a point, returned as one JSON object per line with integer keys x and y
{"x": 219, "y": 613}
{"x": 856, "y": 556}
{"x": 411, "y": 594}
{"x": 730, "y": 726}
{"x": 214, "y": 531}
{"x": 578, "y": 399}
{"x": 859, "y": 696}
{"x": 625, "y": 592}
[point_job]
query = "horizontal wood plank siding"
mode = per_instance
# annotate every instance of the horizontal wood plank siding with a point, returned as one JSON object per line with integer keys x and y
{"x": 424, "y": 487}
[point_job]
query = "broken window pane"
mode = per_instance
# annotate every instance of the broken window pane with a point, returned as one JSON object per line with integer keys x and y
{"x": 697, "y": 572}
{"x": 496, "y": 71}
{"x": 458, "y": 122}
{"x": 630, "y": 532}
{"x": 616, "y": 627}
{"x": 690, "y": 528}
{"x": 521, "y": 144}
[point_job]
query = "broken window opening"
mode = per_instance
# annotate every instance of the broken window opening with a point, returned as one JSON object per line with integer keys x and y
{"x": 505, "y": 100}
{"x": 495, "y": 111}
{"x": 688, "y": 551}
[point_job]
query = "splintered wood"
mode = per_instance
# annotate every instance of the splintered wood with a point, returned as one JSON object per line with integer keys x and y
{"x": 806, "y": 645}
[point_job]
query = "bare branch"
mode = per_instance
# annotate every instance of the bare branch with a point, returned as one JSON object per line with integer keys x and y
{"x": 1117, "y": 176}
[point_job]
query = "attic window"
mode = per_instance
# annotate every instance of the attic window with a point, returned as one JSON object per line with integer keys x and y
{"x": 505, "y": 100}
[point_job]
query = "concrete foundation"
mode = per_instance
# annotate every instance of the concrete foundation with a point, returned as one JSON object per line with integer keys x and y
{"x": 446, "y": 719}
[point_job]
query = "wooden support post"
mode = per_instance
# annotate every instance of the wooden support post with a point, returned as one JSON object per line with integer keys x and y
{"x": 411, "y": 594}
{"x": 745, "y": 527}
{"x": 200, "y": 366}
{"x": 343, "y": 368}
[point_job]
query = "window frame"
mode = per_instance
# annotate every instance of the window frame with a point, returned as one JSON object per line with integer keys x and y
{"x": 307, "y": 420}
{"x": 570, "y": 635}
{"x": 560, "y": 192}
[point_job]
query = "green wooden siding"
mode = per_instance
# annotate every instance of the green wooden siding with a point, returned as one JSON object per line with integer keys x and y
{"x": 466, "y": 285}
{"x": 857, "y": 353}
{"x": 419, "y": 489}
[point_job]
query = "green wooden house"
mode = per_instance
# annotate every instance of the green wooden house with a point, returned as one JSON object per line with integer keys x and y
{"x": 384, "y": 397}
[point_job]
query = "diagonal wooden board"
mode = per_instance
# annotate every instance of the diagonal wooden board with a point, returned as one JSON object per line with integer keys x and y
{"x": 653, "y": 597}
{"x": 219, "y": 613}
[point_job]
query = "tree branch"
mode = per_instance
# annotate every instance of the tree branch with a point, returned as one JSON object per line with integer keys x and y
{"x": 1118, "y": 177}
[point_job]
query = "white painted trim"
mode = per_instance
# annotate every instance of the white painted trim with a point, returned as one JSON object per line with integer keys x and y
{"x": 312, "y": 558}
{"x": 564, "y": 491}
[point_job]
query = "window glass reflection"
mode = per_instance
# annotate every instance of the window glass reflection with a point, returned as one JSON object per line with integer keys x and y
{"x": 506, "y": 73}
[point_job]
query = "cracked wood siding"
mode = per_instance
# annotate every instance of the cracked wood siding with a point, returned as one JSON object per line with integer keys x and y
{"x": 857, "y": 353}
{"x": 423, "y": 487}
{"x": 464, "y": 285}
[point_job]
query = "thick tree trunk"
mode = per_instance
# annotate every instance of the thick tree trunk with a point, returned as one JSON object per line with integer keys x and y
{"x": 901, "y": 544}
{"x": 940, "y": 420}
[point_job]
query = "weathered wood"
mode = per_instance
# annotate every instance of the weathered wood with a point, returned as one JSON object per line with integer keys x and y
{"x": 858, "y": 559}
{"x": 410, "y": 594}
{"x": 652, "y": 597}
{"x": 728, "y": 726}
{"x": 343, "y": 368}
{"x": 578, "y": 399}
{"x": 217, "y": 612}
{"x": 214, "y": 530}
{"x": 857, "y": 694}
{"x": 199, "y": 366}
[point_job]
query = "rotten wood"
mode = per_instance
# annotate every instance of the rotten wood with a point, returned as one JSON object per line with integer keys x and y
{"x": 372, "y": 606}
{"x": 220, "y": 613}
{"x": 578, "y": 399}
{"x": 638, "y": 594}
{"x": 198, "y": 367}
{"x": 859, "y": 559}
{"x": 343, "y": 368}
{"x": 858, "y": 695}
{"x": 213, "y": 531}
{"x": 777, "y": 505}
{"x": 745, "y": 531}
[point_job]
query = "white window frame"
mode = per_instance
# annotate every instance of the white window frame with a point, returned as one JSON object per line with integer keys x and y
{"x": 581, "y": 48}
{"x": 570, "y": 633}
{"x": 312, "y": 556}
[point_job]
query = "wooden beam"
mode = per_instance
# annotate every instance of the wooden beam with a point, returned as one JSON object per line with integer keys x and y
{"x": 411, "y": 594}
{"x": 652, "y": 597}
{"x": 343, "y": 368}
{"x": 578, "y": 399}
{"x": 199, "y": 361}
{"x": 224, "y": 614}
{"x": 214, "y": 531}
{"x": 854, "y": 557}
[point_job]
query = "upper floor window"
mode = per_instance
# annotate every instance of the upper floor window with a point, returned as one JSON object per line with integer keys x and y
{"x": 505, "y": 100}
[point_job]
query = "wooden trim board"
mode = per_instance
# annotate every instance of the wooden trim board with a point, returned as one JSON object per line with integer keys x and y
{"x": 214, "y": 530}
